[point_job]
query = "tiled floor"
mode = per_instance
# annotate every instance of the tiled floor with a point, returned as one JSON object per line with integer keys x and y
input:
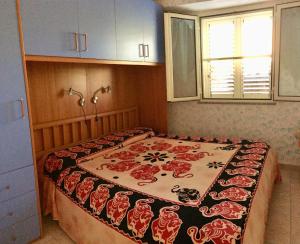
{"x": 284, "y": 218}
{"x": 53, "y": 234}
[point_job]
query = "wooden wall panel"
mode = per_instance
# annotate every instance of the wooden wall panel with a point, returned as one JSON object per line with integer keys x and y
{"x": 47, "y": 82}
{"x": 152, "y": 97}
{"x": 138, "y": 97}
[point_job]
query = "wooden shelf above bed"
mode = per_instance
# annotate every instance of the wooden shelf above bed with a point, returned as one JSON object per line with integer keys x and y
{"x": 34, "y": 58}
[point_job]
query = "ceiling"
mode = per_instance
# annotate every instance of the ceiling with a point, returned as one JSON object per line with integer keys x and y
{"x": 202, "y": 5}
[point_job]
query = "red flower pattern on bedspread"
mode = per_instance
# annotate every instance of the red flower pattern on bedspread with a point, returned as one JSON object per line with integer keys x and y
{"x": 236, "y": 140}
{"x": 72, "y": 180}
{"x": 139, "y": 218}
{"x": 219, "y": 231}
{"x": 145, "y": 173}
{"x": 208, "y": 138}
{"x": 139, "y": 147}
{"x": 192, "y": 156}
{"x": 65, "y": 154}
{"x": 222, "y": 139}
{"x": 242, "y": 171}
{"x": 255, "y": 150}
{"x": 166, "y": 227}
{"x": 258, "y": 145}
{"x": 180, "y": 149}
{"x": 161, "y": 146}
{"x": 79, "y": 149}
{"x": 226, "y": 209}
{"x": 117, "y": 207}
{"x": 92, "y": 145}
{"x": 178, "y": 168}
{"x": 195, "y": 138}
{"x": 239, "y": 181}
{"x": 233, "y": 194}
{"x": 53, "y": 164}
{"x": 247, "y": 163}
{"x": 62, "y": 176}
{"x": 99, "y": 197}
{"x": 120, "y": 166}
{"x": 84, "y": 189}
{"x": 254, "y": 157}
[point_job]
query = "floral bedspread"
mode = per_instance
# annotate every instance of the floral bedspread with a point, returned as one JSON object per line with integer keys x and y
{"x": 162, "y": 189}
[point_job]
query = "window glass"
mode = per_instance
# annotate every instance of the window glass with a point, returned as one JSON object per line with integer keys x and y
{"x": 289, "y": 76}
{"x": 184, "y": 57}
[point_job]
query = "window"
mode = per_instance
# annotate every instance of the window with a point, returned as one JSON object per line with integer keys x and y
{"x": 237, "y": 56}
{"x": 287, "y": 72}
{"x": 182, "y": 57}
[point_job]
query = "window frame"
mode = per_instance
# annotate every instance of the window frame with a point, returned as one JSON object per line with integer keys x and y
{"x": 222, "y": 98}
{"x": 169, "y": 57}
{"x": 277, "y": 45}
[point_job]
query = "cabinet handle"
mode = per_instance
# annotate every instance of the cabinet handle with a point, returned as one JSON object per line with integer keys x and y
{"x": 21, "y": 100}
{"x": 76, "y": 45}
{"x": 85, "y": 42}
{"x": 5, "y": 188}
{"x": 146, "y": 52}
{"x": 141, "y": 50}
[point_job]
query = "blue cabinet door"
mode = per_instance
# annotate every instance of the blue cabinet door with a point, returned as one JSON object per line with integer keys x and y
{"x": 49, "y": 27}
{"x": 21, "y": 232}
{"x": 12, "y": 211}
{"x": 153, "y": 31}
{"x": 97, "y": 29}
{"x": 15, "y": 143}
{"x": 129, "y": 29}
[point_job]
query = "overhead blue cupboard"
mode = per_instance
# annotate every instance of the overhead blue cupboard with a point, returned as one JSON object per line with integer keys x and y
{"x": 139, "y": 28}
{"x": 49, "y": 27}
{"x": 153, "y": 32}
{"x": 97, "y": 29}
{"x": 129, "y": 30}
{"x": 19, "y": 221}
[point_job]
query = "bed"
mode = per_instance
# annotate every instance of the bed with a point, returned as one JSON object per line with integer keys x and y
{"x": 137, "y": 187}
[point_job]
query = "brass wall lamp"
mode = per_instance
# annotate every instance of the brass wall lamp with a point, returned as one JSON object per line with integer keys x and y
{"x": 72, "y": 92}
{"x": 102, "y": 90}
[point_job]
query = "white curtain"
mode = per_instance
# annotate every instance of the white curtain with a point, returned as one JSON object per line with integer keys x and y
{"x": 184, "y": 57}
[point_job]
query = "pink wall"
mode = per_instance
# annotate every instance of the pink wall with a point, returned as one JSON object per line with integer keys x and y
{"x": 275, "y": 124}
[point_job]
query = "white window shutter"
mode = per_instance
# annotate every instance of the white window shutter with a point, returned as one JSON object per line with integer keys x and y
{"x": 237, "y": 56}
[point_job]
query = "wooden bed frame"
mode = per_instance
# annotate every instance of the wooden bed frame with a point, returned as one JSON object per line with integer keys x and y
{"x": 57, "y": 134}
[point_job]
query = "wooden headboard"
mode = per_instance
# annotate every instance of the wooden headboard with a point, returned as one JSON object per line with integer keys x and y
{"x": 56, "y": 134}
{"x": 138, "y": 98}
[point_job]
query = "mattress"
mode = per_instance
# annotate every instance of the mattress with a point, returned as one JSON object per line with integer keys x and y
{"x": 137, "y": 187}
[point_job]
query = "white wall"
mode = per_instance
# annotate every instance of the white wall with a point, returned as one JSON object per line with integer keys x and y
{"x": 276, "y": 124}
